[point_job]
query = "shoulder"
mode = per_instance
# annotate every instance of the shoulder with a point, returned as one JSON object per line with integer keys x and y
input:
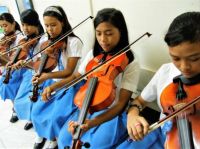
{"x": 167, "y": 68}
{"x": 72, "y": 41}
{"x": 133, "y": 66}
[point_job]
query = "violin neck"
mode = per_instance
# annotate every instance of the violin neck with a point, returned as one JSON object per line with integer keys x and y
{"x": 43, "y": 63}
{"x": 85, "y": 107}
{"x": 14, "y": 60}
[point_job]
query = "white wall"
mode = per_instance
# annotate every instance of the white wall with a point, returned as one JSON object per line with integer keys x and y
{"x": 142, "y": 16}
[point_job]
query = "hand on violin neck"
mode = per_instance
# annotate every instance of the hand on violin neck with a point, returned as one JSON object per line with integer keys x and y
{"x": 72, "y": 125}
{"x": 18, "y": 65}
{"x": 9, "y": 65}
{"x": 38, "y": 79}
{"x": 46, "y": 94}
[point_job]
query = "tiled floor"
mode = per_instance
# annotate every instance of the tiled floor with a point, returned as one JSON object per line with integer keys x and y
{"x": 13, "y": 136}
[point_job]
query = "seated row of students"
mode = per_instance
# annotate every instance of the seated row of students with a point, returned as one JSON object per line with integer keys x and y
{"x": 53, "y": 115}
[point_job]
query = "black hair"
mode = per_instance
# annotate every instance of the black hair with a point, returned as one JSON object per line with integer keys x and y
{"x": 62, "y": 18}
{"x": 9, "y": 18}
{"x": 116, "y": 18}
{"x": 184, "y": 28}
{"x": 31, "y": 17}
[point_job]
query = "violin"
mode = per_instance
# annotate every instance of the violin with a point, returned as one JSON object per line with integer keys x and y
{"x": 46, "y": 63}
{"x": 106, "y": 89}
{"x": 185, "y": 133}
{"x": 20, "y": 54}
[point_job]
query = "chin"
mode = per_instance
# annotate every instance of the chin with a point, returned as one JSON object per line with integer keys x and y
{"x": 189, "y": 75}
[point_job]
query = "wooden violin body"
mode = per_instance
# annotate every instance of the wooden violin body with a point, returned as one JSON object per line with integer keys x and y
{"x": 106, "y": 89}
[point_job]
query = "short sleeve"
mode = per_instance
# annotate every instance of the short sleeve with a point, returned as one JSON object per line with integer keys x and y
{"x": 150, "y": 93}
{"x": 130, "y": 76}
{"x": 74, "y": 47}
{"x": 84, "y": 62}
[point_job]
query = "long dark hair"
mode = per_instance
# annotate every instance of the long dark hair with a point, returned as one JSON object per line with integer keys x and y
{"x": 116, "y": 18}
{"x": 9, "y": 18}
{"x": 31, "y": 17}
{"x": 185, "y": 27}
{"x": 61, "y": 16}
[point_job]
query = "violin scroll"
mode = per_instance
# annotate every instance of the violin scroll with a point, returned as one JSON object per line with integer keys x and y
{"x": 7, "y": 76}
{"x": 35, "y": 95}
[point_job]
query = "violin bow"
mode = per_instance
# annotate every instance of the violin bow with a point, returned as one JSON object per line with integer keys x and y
{"x": 57, "y": 40}
{"x": 23, "y": 44}
{"x": 173, "y": 114}
{"x": 115, "y": 56}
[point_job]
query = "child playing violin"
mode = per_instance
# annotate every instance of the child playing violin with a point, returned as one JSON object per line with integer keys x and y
{"x": 111, "y": 36}
{"x": 11, "y": 38}
{"x": 174, "y": 84}
{"x": 32, "y": 28}
{"x": 56, "y": 24}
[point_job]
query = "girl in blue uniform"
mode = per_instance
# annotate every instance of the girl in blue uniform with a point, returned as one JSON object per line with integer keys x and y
{"x": 106, "y": 129}
{"x": 9, "y": 91}
{"x": 31, "y": 27}
{"x": 56, "y": 24}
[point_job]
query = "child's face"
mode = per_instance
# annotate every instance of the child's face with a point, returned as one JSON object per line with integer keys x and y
{"x": 53, "y": 26}
{"x": 7, "y": 26}
{"x": 29, "y": 29}
{"x": 107, "y": 36}
{"x": 186, "y": 57}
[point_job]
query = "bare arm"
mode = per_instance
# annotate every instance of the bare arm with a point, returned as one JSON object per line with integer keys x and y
{"x": 137, "y": 125}
{"x": 53, "y": 87}
{"x": 71, "y": 65}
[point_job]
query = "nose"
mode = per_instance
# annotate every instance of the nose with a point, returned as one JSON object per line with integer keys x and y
{"x": 49, "y": 29}
{"x": 185, "y": 66}
{"x": 103, "y": 38}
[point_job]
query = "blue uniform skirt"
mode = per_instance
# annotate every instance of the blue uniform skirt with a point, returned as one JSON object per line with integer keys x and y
{"x": 22, "y": 102}
{"x": 154, "y": 140}
{"x": 9, "y": 91}
{"x": 49, "y": 117}
{"x": 105, "y": 136}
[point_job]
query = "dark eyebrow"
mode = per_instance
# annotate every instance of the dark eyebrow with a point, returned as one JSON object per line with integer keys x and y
{"x": 108, "y": 30}
{"x": 193, "y": 55}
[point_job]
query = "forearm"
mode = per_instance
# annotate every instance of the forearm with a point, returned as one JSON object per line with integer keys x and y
{"x": 134, "y": 110}
{"x": 60, "y": 74}
{"x": 62, "y": 82}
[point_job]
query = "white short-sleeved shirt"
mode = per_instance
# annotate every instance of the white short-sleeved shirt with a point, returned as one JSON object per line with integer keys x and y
{"x": 127, "y": 80}
{"x": 73, "y": 49}
{"x": 162, "y": 78}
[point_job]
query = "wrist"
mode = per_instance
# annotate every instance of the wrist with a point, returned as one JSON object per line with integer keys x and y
{"x": 134, "y": 108}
